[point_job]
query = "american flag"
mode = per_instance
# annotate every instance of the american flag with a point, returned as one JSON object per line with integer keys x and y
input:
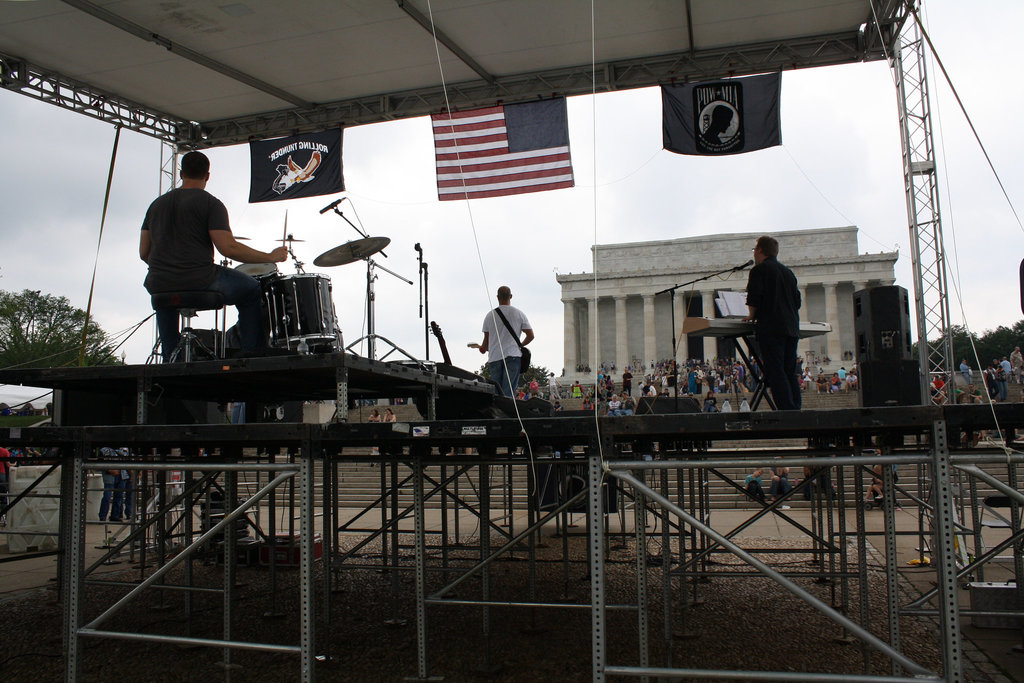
{"x": 503, "y": 150}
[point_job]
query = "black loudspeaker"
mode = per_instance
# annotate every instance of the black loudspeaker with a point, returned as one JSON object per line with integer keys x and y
{"x": 881, "y": 323}
{"x": 666, "y": 405}
{"x": 889, "y": 383}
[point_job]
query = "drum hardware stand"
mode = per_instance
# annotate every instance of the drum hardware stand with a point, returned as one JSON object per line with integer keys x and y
{"x": 289, "y": 241}
{"x": 371, "y": 336}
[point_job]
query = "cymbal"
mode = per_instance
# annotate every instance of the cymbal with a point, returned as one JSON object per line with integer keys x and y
{"x": 356, "y": 250}
{"x": 289, "y": 238}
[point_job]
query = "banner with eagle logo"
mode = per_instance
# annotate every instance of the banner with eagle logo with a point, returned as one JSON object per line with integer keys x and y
{"x": 307, "y": 165}
{"x": 722, "y": 117}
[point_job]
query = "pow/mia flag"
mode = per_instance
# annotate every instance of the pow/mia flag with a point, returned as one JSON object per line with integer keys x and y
{"x": 722, "y": 117}
{"x": 307, "y": 165}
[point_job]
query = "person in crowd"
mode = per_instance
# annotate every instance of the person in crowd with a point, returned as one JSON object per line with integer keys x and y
{"x": 773, "y": 303}
{"x": 752, "y": 485}
{"x": 628, "y": 405}
{"x": 501, "y": 342}
{"x": 613, "y": 405}
{"x": 710, "y": 403}
{"x": 577, "y": 390}
{"x": 1016, "y": 363}
{"x": 179, "y": 233}
{"x": 116, "y": 483}
{"x": 876, "y": 491}
{"x": 1003, "y": 372}
{"x": 627, "y": 382}
{"x": 534, "y": 388}
{"x": 780, "y": 485}
{"x": 5, "y": 470}
{"x": 389, "y": 415}
{"x": 852, "y": 381}
{"x": 965, "y": 371}
{"x": 553, "y": 387}
{"x": 374, "y": 416}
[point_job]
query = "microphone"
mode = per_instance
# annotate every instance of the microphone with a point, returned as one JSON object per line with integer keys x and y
{"x": 745, "y": 265}
{"x": 418, "y": 248}
{"x": 332, "y": 205}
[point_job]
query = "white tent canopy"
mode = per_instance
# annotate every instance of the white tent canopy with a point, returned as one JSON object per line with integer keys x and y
{"x": 203, "y": 72}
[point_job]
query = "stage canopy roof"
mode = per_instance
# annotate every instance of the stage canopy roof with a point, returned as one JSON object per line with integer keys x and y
{"x": 213, "y": 72}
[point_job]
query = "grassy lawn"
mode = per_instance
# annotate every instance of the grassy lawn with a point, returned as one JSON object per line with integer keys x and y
{"x": 21, "y": 420}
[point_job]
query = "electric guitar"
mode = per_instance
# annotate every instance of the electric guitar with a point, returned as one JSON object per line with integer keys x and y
{"x": 436, "y": 330}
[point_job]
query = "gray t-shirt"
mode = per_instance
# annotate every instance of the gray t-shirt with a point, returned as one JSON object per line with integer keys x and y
{"x": 179, "y": 225}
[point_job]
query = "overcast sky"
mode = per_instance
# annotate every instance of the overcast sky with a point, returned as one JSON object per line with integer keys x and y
{"x": 839, "y": 164}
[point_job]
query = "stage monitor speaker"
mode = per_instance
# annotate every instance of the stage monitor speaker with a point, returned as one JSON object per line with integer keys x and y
{"x": 666, "y": 405}
{"x": 889, "y": 383}
{"x": 881, "y": 323}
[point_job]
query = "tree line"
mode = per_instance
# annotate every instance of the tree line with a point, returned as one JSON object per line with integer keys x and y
{"x": 41, "y": 330}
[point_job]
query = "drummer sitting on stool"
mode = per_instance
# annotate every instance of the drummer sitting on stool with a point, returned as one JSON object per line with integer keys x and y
{"x": 179, "y": 233}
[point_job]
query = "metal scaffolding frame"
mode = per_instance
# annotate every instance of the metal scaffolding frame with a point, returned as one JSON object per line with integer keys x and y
{"x": 928, "y": 255}
{"x": 616, "y": 452}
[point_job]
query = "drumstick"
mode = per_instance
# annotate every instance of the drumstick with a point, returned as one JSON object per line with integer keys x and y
{"x": 473, "y": 345}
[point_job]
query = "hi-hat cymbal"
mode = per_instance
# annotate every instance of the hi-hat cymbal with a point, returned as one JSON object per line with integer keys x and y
{"x": 356, "y": 250}
{"x": 289, "y": 238}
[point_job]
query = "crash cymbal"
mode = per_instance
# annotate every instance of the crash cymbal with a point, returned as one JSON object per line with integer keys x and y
{"x": 356, "y": 250}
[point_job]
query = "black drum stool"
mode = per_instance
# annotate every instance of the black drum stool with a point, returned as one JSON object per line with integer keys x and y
{"x": 188, "y": 305}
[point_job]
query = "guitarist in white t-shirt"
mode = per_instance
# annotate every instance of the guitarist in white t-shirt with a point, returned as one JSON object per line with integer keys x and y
{"x": 503, "y": 349}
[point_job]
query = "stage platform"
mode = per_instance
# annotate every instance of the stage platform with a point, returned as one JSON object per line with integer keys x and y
{"x": 167, "y": 392}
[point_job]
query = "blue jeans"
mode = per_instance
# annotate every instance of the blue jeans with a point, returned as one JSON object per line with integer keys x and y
{"x": 508, "y": 381}
{"x": 778, "y": 356}
{"x": 241, "y": 291}
{"x": 113, "y": 497}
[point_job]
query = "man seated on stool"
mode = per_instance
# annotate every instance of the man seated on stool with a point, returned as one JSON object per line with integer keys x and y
{"x": 179, "y": 233}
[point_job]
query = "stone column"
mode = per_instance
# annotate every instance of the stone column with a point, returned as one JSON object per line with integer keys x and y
{"x": 682, "y": 348}
{"x": 570, "y": 336}
{"x": 803, "y": 304}
{"x": 708, "y": 303}
{"x": 650, "y": 335}
{"x": 834, "y": 350}
{"x": 593, "y": 334}
{"x": 621, "y": 335}
{"x": 857, "y": 286}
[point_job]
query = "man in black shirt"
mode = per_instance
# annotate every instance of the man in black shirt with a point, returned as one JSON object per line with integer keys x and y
{"x": 773, "y": 302}
{"x": 179, "y": 233}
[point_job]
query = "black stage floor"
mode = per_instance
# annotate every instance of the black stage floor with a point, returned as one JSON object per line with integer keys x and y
{"x": 149, "y": 403}
{"x": 111, "y": 394}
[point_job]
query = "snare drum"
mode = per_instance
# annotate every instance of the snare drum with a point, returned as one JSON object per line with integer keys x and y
{"x": 257, "y": 270}
{"x": 300, "y": 308}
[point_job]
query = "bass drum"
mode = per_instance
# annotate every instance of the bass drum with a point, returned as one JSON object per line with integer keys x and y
{"x": 300, "y": 308}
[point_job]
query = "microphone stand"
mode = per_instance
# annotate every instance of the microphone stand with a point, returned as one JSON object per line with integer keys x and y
{"x": 424, "y": 299}
{"x": 671, "y": 291}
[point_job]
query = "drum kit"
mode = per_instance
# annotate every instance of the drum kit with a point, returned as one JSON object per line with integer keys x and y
{"x": 298, "y": 308}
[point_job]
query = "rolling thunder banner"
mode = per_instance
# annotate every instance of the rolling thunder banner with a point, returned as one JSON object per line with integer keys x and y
{"x": 722, "y": 117}
{"x": 307, "y": 165}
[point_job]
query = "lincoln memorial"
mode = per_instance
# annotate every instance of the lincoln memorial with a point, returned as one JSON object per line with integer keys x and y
{"x": 635, "y": 324}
